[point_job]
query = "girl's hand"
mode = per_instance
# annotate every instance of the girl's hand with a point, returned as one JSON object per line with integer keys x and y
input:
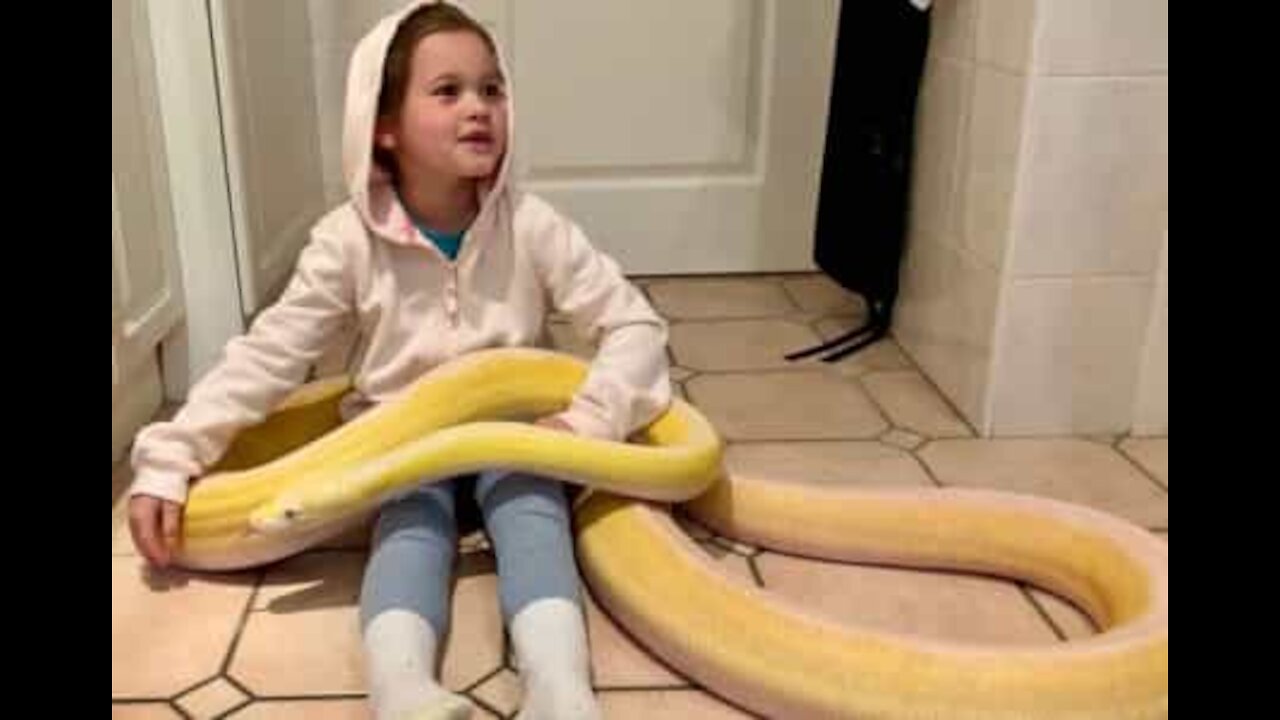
{"x": 156, "y": 527}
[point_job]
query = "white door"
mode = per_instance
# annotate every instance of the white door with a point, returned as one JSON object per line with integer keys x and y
{"x": 266, "y": 76}
{"x": 685, "y": 137}
{"x": 146, "y": 288}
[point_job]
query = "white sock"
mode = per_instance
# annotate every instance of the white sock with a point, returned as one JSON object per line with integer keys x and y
{"x": 550, "y": 640}
{"x": 400, "y": 660}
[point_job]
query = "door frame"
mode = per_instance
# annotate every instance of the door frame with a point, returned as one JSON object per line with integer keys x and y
{"x": 191, "y": 116}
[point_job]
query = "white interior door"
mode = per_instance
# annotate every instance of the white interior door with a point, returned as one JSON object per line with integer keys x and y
{"x": 685, "y": 137}
{"x": 146, "y": 288}
{"x": 264, "y": 52}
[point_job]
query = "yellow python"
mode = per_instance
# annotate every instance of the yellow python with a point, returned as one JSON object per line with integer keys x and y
{"x": 299, "y": 478}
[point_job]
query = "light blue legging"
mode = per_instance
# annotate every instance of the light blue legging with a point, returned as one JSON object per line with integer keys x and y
{"x": 415, "y": 544}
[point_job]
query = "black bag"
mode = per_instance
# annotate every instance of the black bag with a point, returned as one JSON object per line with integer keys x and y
{"x": 866, "y": 172}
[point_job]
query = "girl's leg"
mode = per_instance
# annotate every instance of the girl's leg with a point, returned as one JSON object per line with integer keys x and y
{"x": 528, "y": 521}
{"x": 404, "y": 606}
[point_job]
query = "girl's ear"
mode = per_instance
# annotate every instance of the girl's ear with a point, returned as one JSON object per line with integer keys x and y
{"x": 384, "y": 135}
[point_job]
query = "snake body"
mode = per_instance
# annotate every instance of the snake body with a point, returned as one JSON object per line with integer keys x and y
{"x": 301, "y": 477}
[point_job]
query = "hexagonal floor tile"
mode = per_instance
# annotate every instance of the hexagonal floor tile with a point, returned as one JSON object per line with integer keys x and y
{"x": 737, "y": 345}
{"x": 940, "y": 605}
{"x": 167, "y": 639}
{"x": 1073, "y": 622}
{"x": 211, "y": 700}
{"x": 475, "y": 645}
{"x": 303, "y": 637}
{"x": 863, "y": 464}
{"x": 820, "y": 294}
{"x": 1073, "y": 470}
{"x": 143, "y": 711}
{"x": 1152, "y": 454}
{"x": 731, "y": 557}
{"x": 502, "y": 692}
{"x": 903, "y": 439}
{"x": 618, "y": 661}
{"x": 914, "y": 404}
{"x": 666, "y": 705}
{"x": 719, "y": 298}
{"x": 786, "y": 406}
{"x": 319, "y": 709}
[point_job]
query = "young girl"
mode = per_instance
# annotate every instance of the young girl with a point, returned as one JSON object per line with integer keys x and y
{"x": 435, "y": 255}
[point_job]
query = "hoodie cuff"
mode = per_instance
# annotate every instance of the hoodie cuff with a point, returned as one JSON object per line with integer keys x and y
{"x": 166, "y": 485}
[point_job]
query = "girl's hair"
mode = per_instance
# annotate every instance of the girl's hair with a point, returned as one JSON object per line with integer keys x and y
{"x": 427, "y": 20}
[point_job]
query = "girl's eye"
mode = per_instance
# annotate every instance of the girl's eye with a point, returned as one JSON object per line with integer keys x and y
{"x": 493, "y": 90}
{"x": 447, "y": 91}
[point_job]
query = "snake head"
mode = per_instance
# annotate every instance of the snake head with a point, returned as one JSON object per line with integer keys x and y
{"x": 276, "y": 516}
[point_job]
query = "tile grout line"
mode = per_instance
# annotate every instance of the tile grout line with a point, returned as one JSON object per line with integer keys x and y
{"x": 1044, "y": 614}
{"x": 485, "y": 706}
{"x": 755, "y": 570}
{"x": 192, "y": 688}
{"x": 924, "y": 465}
{"x": 884, "y": 414}
{"x": 781, "y": 284}
{"x": 225, "y": 669}
{"x": 239, "y": 686}
{"x": 955, "y": 411}
{"x": 485, "y": 678}
{"x": 1150, "y": 476}
{"x": 248, "y": 699}
{"x": 235, "y": 708}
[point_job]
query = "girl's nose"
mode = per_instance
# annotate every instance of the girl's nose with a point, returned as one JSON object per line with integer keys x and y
{"x": 477, "y": 107}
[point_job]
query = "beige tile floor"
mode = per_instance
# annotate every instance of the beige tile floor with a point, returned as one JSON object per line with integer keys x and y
{"x": 282, "y": 642}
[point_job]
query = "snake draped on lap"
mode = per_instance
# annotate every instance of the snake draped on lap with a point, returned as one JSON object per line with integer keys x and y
{"x": 301, "y": 477}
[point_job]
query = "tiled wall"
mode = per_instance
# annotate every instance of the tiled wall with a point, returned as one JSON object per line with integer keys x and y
{"x": 968, "y": 137}
{"x": 1032, "y": 285}
{"x": 1151, "y": 408}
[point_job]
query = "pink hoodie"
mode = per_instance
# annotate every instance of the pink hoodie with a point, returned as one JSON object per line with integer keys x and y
{"x": 415, "y": 309}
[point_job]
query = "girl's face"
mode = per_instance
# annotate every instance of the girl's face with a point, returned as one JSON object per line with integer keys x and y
{"x": 453, "y": 121}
